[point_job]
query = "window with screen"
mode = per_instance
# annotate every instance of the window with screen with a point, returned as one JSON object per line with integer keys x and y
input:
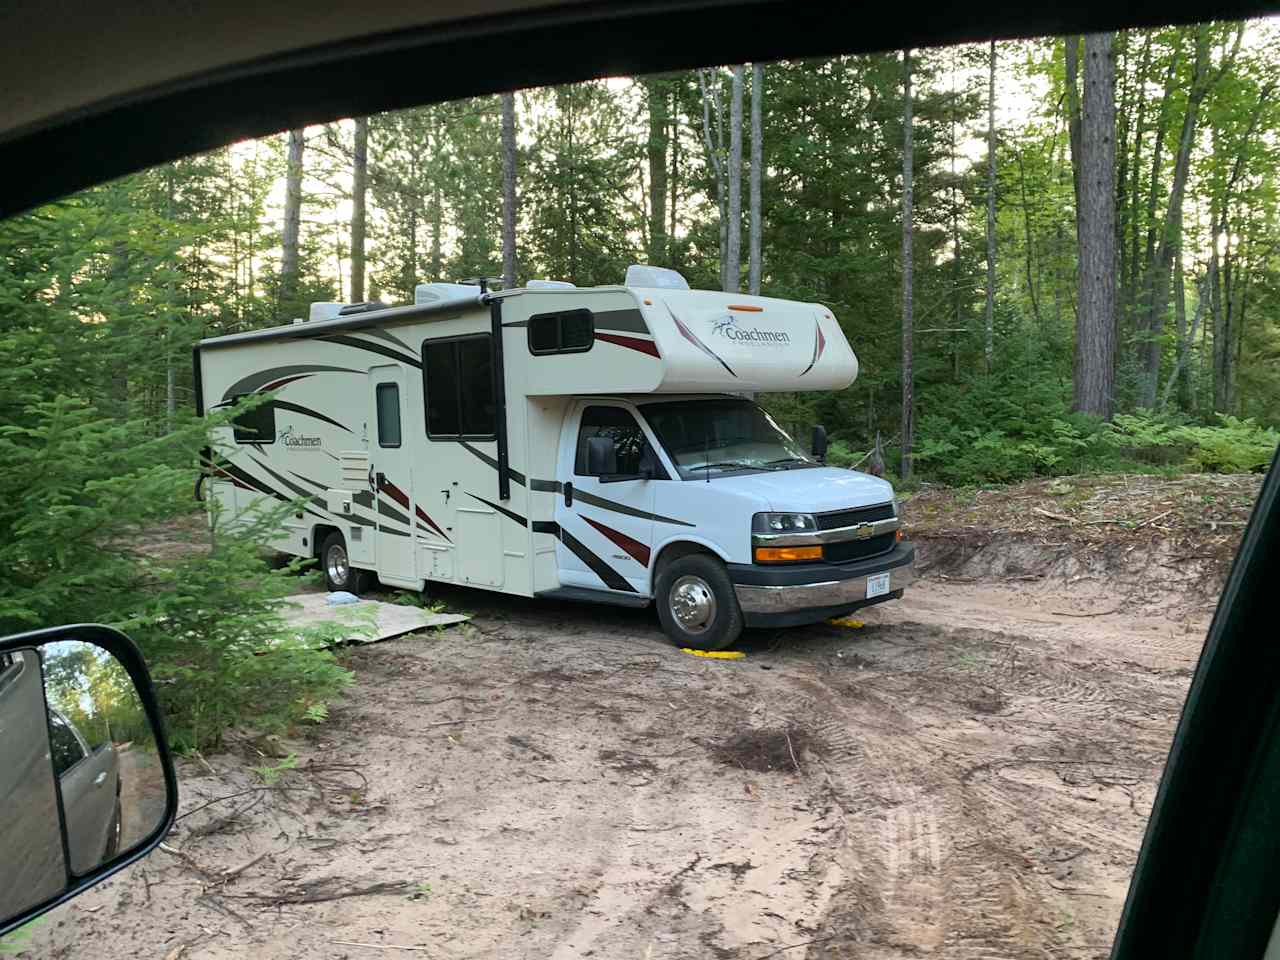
{"x": 569, "y": 331}
{"x": 387, "y": 396}
{"x": 615, "y": 422}
{"x": 257, "y": 425}
{"x": 458, "y": 387}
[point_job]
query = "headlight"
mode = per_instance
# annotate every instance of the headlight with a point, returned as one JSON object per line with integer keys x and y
{"x": 783, "y": 523}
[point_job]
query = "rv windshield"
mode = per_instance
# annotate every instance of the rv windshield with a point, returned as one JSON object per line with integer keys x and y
{"x": 717, "y": 436}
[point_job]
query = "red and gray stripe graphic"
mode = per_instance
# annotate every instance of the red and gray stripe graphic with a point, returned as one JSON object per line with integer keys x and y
{"x": 639, "y": 552}
{"x": 402, "y": 498}
{"x": 693, "y": 338}
{"x": 819, "y": 344}
{"x": 610, "y": 577}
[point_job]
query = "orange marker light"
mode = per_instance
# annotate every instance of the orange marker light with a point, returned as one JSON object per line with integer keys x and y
{"x": 784, "y": 554}
{"x": 648, "y": 302}
{"x": 746, "y": 307}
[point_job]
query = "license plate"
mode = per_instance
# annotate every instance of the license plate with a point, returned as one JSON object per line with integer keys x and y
{"x": 877, "y": 585}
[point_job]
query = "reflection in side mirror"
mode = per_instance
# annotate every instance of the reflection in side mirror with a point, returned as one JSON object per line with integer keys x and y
{"x": 86, "y": 782}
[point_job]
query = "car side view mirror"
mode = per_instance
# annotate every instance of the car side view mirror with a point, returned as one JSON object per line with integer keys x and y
{"x": 86, "y": 780}
{"x": 820, "y": 443}
{"x": 602, "y": 456}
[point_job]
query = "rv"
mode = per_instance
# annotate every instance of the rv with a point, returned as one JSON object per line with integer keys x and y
{"x": 588, "y": 444}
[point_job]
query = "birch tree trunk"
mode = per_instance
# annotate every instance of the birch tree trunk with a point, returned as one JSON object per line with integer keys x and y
{"x": 656, "y": 94}
{"x": 908, "y": 400}
{"x": 757, "y": 170}
{"x": 508, "y": 190}
{"x": 989, "y": 343}
{"x": 707, "y": 84}
{"x": 292, "y": 221}
{"x": 733, "y": 238}
{"x": 1094, "y": 386}
{"x": 359, "y": 188}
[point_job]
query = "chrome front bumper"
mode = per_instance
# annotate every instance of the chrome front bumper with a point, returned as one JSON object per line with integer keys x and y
{"x": 824, "y": 589}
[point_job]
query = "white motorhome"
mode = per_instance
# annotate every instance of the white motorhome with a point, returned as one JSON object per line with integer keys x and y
{"x": 564, "y": 443}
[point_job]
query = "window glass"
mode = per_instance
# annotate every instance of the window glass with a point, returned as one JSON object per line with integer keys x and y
{"x": 388, "y": 403}
{"x": 63, "y": 744}
{"x": 704, "y": 437}
{"x": 628, "y": 438}
{"x": 570, "y": 331}
{"x": 475, "y": 381}
{"x": 257, "y": 425}
{"x": 459, "y": 387}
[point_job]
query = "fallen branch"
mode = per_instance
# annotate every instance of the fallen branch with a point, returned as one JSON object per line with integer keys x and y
{"x": 1149, "y": 520}
{"x": 376, "y": 946}
{"x": 449, "y": 723}
{"x": 1053, "y": 516}
{"x": 792, "y": 946}
{"x": 1099, "y": 613}
{"x": 372, "y": 890}
{"x": 791, "y": 750}
{"x": 234, "y": 796}
{"x": 236, "y": 871}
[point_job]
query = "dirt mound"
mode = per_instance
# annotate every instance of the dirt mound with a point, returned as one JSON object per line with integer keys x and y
{"x": 1149, "y": 539}
{"x": 769, "y": 750}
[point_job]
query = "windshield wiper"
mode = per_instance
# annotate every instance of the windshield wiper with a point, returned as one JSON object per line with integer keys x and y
{"x": 783, "y": 461}
{"x": 727, "y": 464}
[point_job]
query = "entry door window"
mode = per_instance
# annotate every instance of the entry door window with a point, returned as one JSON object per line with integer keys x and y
{"x": 388, "y": 400}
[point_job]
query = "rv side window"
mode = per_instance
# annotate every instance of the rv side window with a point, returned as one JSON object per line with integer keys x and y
{"x": 457, "y": 378}
{"x": 257, "y": 425}
{"x": 569, "y": 331}
{"x": 628, "y": 438}
{"x": 388, "y": 402}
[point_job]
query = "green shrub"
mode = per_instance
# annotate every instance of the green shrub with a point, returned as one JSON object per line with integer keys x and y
{"x": 213, "y": 631}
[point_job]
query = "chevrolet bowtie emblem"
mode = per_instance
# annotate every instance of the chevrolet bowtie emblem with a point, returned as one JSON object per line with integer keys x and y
{"x": 863, "y": 531}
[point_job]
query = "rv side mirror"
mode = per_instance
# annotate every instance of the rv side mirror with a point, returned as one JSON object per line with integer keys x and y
{"x": 602, "y": 456}
{"x": 820, "y": 443}
{"x": 86, "y": 782}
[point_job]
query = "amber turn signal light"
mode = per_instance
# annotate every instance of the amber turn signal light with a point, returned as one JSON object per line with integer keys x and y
{"x": 783, "y": 554}
{"x": 900, "y": 533}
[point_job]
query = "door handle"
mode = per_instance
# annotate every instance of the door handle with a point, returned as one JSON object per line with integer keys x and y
{"x": 100, "y": 779}
{"x": 382, "y": 480}
{"x": 446, "y": 495}
{"x": 568, "y": 494}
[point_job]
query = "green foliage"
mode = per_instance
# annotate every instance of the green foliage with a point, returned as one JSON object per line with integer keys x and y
{"x": 221, "y": 652}
{"x": 270, "y": 773}
{"x": 1230, "y": 446}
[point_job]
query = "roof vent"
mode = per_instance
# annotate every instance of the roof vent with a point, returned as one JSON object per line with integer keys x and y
{"x": 425, "y": 293}
{"x": 642, "y": 275}
{"x": 550, "y": 285}
{"x": 325, "y": 311}
{"x": 364, "y": 307}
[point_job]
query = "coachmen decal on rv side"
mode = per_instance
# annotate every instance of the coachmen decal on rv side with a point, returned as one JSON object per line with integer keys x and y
{"x": 727, "y": 327}
{"x": 291, "y": 439}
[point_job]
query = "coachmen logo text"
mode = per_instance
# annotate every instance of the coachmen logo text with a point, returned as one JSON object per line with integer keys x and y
{"x": 727, "y": 327}
{"x": 291, "y": 439}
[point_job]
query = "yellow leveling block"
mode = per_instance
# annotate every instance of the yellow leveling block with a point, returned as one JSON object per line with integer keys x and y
{"x": 849, "y": 622}
{"x": 715, "y": 654}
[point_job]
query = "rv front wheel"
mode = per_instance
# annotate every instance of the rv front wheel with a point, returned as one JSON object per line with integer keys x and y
{"x": 696, "y": 603}
{"x": 338, "y": 572}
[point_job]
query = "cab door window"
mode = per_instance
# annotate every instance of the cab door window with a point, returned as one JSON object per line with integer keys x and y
{"x": 628, "y": 439}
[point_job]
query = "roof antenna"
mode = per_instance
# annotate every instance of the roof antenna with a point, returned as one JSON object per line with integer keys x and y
{"x": 481, "y": 282}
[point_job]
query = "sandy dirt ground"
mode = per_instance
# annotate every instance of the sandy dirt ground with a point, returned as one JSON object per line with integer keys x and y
{"x": 967, "y": 775}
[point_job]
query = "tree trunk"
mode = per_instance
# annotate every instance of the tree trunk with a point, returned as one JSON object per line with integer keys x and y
{"x": 757, "y": 170}
{"x": 1161, "y": 267}
{"x": 359, "y": 187}
{"x": 1095, "y": 219}
{"x": 989, "y": 342}
{"x": 710, "y": 98}
{"x": 1073, "y": 115}
{"x": 437, "y": 206}
{"x": 908, "y": 157}
{"x": 733, "y": 253}
{"x": 509, "y": 190}
{"x": 292, "y": 222}
{"x": 657, "y": 96}
{"x": 673, "y": 182}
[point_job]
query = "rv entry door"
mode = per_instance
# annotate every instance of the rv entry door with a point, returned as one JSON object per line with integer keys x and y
{"x": 391, "y": 474}
{"x": 605, "y": 507}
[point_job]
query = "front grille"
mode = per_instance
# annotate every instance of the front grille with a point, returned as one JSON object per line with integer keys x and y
{"x": 847, "y": 518}
{"x": 847, "y": 550}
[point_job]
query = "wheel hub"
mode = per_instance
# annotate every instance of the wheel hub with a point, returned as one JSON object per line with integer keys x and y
{"x": 336, "y": 564}
{"x": 693, "y": 604}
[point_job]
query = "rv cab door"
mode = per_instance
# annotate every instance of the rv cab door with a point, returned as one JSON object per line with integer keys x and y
{"x": 604, "y": 512}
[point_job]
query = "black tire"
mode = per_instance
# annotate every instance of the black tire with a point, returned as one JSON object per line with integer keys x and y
{"x": 113, "y": 834}
{"x": 693, "y": 587}
{"x": 336, "y": 564}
